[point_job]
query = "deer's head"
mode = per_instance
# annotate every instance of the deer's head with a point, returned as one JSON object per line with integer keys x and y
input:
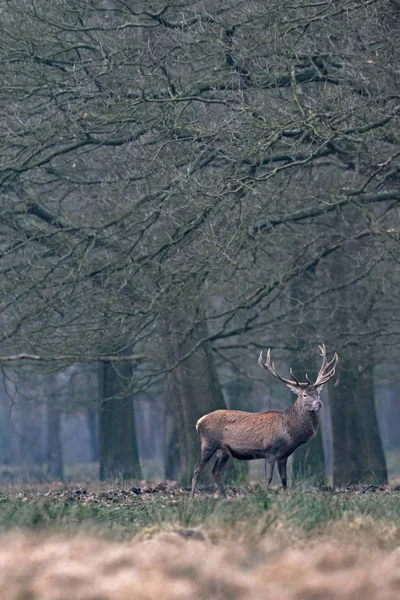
{"x": 308, "y": 393}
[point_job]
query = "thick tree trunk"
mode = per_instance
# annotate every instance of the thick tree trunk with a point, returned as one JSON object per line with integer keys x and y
{"x": 357, "y": 449}
{"x": 29, "y": 425}
{"x": 119, "y": 457}
{"x": 374, "y": 462}
{"x": 194, "y": 390}
{"x": 388, "y": 395}
{"x": 358, "y": 456}
{"x": 55, "y": 463}
{"x": 6, "y": 449}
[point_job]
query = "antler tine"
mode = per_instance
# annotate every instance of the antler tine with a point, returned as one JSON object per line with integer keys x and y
{"x": 325, "y": 378}
{"x": 334, "y": 360}
{"x": 330, "y": 370}
{"x": 271, "y": 368}
{"x": 322, "y": 349}
{"x": 327, "y": 369}
{"x": 294, "y": 377}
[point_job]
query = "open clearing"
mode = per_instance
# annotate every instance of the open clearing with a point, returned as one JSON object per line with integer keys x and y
{"x": 119, "y": 544}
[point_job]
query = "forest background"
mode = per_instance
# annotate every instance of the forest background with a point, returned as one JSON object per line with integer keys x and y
{"x": 183, "y": 184}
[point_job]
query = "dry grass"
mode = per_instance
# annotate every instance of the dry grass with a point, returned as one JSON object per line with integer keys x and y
{"x": 175, "y": 566}
{"x": 303, "y": 545}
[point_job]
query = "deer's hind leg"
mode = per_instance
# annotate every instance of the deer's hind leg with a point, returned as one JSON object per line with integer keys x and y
{"x": 222, "y": 459}
{"x": 206, "y": 453}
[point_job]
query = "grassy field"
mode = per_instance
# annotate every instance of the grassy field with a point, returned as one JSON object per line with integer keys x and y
{"x": 120, "y": 544}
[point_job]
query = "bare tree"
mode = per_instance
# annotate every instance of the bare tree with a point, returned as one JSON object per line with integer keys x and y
{"x": 118, "y": 447}
{"x": 200, "y": 156}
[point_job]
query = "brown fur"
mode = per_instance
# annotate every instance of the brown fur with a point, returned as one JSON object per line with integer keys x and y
{"x": 236, "y": 430}
{"x": 272, "y": 435}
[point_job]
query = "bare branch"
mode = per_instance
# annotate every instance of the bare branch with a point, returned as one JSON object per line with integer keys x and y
{"x": 79, "y": 358}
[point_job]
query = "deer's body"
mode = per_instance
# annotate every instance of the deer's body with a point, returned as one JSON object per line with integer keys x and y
{"x": 247, "y": 436}
{"x": 273, "y": 435}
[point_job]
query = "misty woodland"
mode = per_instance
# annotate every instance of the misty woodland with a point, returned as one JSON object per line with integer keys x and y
{"x": 189, "y": 191}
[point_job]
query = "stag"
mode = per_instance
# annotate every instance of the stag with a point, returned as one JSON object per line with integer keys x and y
{"x": 272, "y": 434}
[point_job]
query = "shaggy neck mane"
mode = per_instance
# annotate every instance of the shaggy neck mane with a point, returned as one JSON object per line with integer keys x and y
{"x": 303, "y": 420}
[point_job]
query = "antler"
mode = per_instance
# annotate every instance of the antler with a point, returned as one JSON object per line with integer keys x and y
{"x": 327, "y": 369}
{"x": 271, "y": 368}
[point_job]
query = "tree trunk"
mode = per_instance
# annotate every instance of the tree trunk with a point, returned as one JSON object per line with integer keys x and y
{"x": 29, "y": 425}
{"x": 358, "y": 456}
{"x": 93, "y": 430}
{"x": 119, "y": 457}
{"x": 55, "y": 463}
{"x": 388, "y": 410}
{"x": 357, "y": 449}
{"x": 374, "y": 461}
{"x": 6, "y": 453}
{"x": 194, "y": 390}
{"x": 171, "y": 444}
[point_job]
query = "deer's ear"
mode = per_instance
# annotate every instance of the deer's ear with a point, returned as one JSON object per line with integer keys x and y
{"x": 320, "y": 388}
{"x": 293, "y": 389}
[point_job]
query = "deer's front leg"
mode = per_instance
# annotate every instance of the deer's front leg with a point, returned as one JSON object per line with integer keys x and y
{"x": 282, "y": 472}
{"x": 269, "y": 470}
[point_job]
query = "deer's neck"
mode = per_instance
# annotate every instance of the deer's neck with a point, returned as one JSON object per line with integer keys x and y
{"x": 303, "y": 423}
